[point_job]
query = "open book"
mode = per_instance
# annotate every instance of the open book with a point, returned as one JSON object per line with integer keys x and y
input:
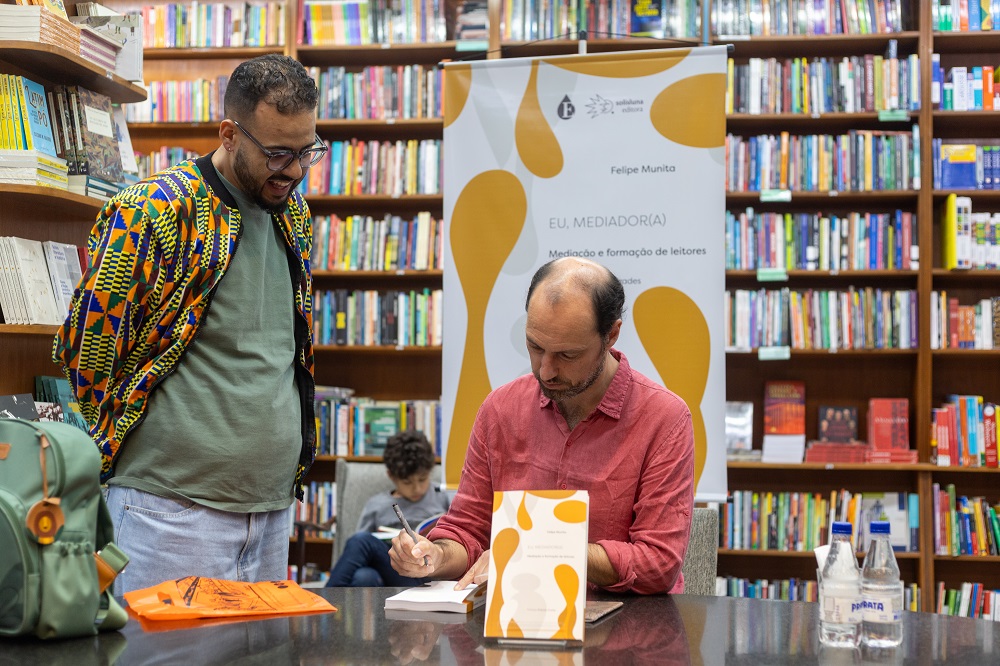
{"x": 438, "y": 595}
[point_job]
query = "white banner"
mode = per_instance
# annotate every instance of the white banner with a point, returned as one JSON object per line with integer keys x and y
{"x": 616, "y": 157}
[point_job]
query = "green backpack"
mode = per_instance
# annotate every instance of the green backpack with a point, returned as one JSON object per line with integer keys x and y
{"x": 52, "y": 515}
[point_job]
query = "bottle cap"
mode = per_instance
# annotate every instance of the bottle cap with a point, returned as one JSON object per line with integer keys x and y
{"x": 879, "y": 527}
{"x": 843, "y": 527}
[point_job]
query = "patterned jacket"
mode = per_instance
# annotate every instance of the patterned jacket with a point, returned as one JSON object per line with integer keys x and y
{"x": 157, "y": 252}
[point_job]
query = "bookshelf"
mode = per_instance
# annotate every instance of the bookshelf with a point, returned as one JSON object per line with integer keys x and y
{"x": 42, "y": 213}
{"x": 923, "y": 375}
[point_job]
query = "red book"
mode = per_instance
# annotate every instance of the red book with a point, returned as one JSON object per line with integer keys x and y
{"x": 889, "y": 423}
{"x": 953, "y": 323}
{"x": 990, "y": 433}
{"x": 940, "y": 423}
{"x": 784, "y": 408}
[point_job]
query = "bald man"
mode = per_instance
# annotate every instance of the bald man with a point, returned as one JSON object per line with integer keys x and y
{"x": 583, "y": 420}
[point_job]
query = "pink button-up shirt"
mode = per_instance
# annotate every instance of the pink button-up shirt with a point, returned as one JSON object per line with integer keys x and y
{"x": 634, "y": 455}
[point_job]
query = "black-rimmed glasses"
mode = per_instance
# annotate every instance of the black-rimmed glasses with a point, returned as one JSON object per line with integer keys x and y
{"x": 278, "y": 160}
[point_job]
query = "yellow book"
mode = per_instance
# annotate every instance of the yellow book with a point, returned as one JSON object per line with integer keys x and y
{"x": 949, "y": 233}
{"x": 982, "y": 548}
{"x": 730, "y": 86}
{"x": 20, "y": 138}
{"x": 5, "y": 141}
{"x": 27, "y": 143}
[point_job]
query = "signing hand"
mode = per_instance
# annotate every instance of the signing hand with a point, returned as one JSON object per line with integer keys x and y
{"x": 414, "y": 559}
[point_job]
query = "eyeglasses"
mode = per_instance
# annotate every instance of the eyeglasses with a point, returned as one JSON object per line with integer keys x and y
{"x": 278, "y": 160}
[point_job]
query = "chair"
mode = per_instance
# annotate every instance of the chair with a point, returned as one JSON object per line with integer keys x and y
{"x": 701, "y": 561}
{"x": 356, "y": 483}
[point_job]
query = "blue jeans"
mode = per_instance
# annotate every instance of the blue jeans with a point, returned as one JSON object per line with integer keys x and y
{"x": 365, "y": 563}
{"x": 167, "y": 539}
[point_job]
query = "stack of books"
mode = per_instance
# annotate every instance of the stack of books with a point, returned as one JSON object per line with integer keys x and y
{"x": 32, "y": 167}
{"x": 37, "y": 24}
{"x": 92, "y": 186}
{"x": 98, "y": 48}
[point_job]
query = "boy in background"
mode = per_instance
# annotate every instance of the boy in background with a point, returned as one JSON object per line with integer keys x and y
{"x": 409, "y": 460}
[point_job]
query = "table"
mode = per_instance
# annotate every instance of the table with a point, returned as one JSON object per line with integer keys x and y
{"x": 661, "y": 630}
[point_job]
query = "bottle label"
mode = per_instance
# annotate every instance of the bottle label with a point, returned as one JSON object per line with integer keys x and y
{"x": 841, "y": 610}
{"x": 882, "y": 608}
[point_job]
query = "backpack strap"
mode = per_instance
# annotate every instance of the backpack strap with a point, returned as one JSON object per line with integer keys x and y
{"x": 110, "y": 559}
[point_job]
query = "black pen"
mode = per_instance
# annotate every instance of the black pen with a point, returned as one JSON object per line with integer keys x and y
{"x": 406, "y": 526}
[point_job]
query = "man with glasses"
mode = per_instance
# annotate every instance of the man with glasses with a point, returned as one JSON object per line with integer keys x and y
{"x": 188, "y": 342}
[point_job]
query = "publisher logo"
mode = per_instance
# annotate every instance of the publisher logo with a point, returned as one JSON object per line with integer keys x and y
{"x": 598, "y": 106}
{"x": 566, "y": 108}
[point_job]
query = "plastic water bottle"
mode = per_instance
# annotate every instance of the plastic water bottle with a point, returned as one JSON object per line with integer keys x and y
{"x": 881, "y": 592}
{"x": 840, "y": 592}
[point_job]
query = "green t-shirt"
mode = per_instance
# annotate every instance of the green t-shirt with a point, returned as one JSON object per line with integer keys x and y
{"x": 224, "y": 429}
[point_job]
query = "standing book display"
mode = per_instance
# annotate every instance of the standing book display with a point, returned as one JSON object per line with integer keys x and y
{"x": 538, "y": 566}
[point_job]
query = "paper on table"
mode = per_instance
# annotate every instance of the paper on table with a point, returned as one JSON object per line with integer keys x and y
{"x": 195, "y": 597}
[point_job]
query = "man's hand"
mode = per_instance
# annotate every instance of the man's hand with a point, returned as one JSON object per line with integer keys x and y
{"x": 408, "y": 558}
{"x": 479, "y": 572}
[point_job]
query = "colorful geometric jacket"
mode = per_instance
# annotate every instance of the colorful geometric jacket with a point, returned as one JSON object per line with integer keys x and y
{"x": 157, "y": 252}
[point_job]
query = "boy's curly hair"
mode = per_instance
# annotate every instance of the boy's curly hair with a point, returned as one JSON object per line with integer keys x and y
{"x": 408, "y": 453}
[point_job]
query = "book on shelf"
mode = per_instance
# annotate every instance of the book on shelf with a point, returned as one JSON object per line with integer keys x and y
{"x": 472, "y": 21}
{"x": 65, "y": 272}
{"x": 58, "y": 390}
{"x": 837, "y": 423}
{"x": 36, "y": 23}
{"x": 438, "y": 596}
{"x": 49, "y": 411}
{"x": 785, "y": 408}
{"x": 784, "y": 422}
{"x": 126, "y": 30}
{"x": 889, "y": 423}
{"x": 739, "y": 425}
{"x": 844, "y": 452}
{"x": 29, "y": 276}
{"x": 96, "y": 145}
{"x": 18, "y": 406}
{"x": 379, "y": 421}
{"x": 36, "y": 128}
{"x": 647, "y": 18}
{"x": 893, "y": 507}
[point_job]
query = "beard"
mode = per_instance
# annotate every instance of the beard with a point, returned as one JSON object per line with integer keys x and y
{"x": 253, "y": 186}
{"x": 561, "y": 395}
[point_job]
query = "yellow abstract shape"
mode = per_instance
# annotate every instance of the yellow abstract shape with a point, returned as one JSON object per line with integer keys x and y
{"x": 523, "y": 517}
{"x": 497, "y": 500}
{"x": 514, "y": 629}
{"x": 621, "y": 65}
{"x": 675, "y": 335}
{"x": 535, "y": 140}
{"x": 457, "y": 84}
{"x": 573, "y": 511}
{"x": 691, "y": 112}
{"x": 569, "y": 584}
{"x": 503, "y": 548}
{"x": 552, "y": 494}
{"x": 485, "y": 225}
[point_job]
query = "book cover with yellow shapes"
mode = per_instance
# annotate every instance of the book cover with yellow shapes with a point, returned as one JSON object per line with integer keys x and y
{"x": 538, "y": 566}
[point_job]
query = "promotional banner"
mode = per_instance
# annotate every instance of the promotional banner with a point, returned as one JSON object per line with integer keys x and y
{"x": 616, "y": 157}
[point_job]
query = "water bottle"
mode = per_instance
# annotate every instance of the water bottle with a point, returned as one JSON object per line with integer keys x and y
{"x": 840, "y": 592}
{"x": 881, "y": 592}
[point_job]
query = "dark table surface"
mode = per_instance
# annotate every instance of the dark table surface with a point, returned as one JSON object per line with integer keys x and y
{"x": 647, "y": 630}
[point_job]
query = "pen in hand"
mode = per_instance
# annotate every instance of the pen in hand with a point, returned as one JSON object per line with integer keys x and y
{"x": 406, "y": 526}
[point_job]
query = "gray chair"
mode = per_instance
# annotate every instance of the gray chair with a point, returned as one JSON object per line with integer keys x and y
{"x": 356, "y": 483}
{"x": 701, "y": 561}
